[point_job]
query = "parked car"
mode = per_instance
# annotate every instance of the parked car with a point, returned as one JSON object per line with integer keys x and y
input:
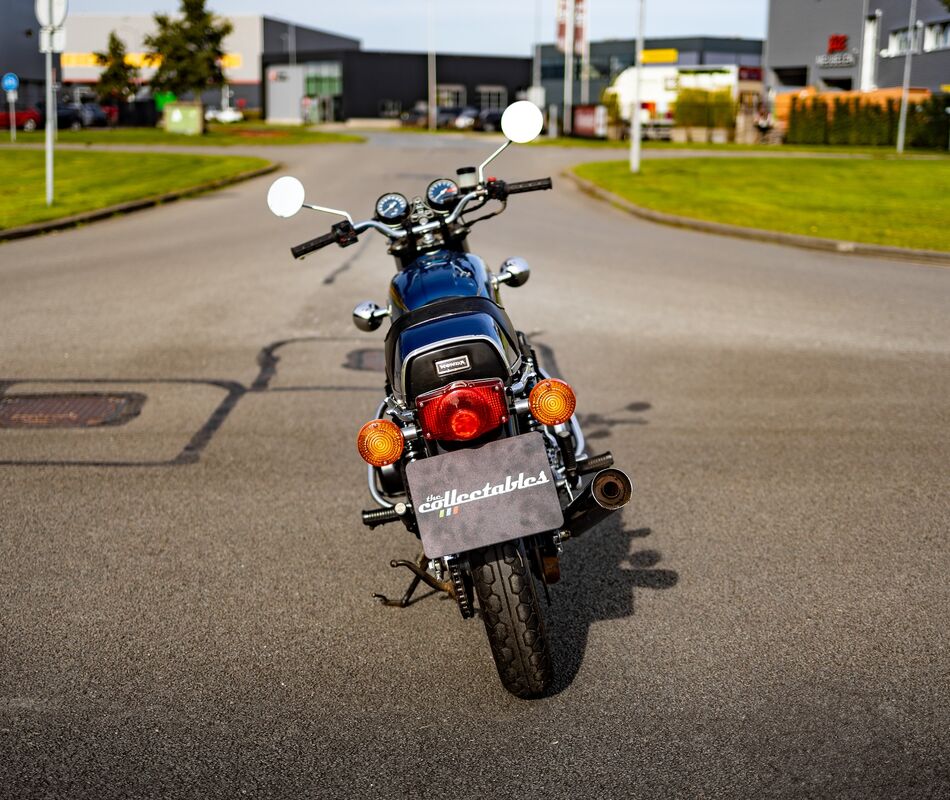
{"x": 67, "y": 115}
{"x": 488, "y": 120}
{"x": 26, "y": 119}
{"x": 445, "y": 116}
{"x": 466, "y": 119}
{"x": 92, "y": 115}
{"x": 215, "y": 114}
{"x": 418, "y": 117}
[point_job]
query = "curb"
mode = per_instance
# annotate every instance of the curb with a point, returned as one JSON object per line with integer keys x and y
{"x": 932, "y": 257}
{"x": 75, "y": 220}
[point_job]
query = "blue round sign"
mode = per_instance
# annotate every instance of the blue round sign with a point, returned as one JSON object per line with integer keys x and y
{"x": 10, "y": 82}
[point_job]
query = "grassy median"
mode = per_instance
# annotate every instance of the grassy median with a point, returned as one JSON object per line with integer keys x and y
{"x": 88, "y": 181}
{"x": 897, "y": 203}
{"x": 239, "y": 133}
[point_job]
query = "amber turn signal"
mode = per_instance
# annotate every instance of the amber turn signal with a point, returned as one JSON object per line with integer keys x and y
{"x": 380, "y": 442}
{"x": 552, "y": 402}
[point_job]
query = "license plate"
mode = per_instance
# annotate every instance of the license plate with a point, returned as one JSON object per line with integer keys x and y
{"x": 473, "y": 498}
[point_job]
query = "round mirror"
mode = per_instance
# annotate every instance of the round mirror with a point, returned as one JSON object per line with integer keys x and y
{"x": 522, "y": 121}
{"x": 285, "y": 196}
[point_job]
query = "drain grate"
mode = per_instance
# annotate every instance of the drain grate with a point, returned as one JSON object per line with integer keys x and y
{"x": 68, "y": 410}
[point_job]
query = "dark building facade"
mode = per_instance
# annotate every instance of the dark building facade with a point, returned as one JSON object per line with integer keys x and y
{"x": 361, "y": 84}
{"x": 857, "y": 44}
{"x": 20, "y": 50}
{"x": 611, "y": 57}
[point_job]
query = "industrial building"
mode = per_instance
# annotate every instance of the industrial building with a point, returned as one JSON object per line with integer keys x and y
{"x": 857, "y": 44}
{"x": 332, "y": 86}
{"x": 611, "y": 57}
{"x": 20, "y": 50}
{"x": 253, "y": 37}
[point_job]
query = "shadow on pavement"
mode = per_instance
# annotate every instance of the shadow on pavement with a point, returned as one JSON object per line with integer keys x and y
{"x": 601, "y": 573}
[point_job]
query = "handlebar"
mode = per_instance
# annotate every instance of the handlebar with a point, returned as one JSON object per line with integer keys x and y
{"x": 345, "y": 234}
{"x": 538, "y": 185}
{"x": 313, "y": 245}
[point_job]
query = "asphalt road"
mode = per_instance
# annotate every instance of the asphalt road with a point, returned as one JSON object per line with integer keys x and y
{"x": 185, "y": 600}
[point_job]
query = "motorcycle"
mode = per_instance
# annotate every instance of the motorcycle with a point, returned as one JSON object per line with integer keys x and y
{"x": 475, "y": 448}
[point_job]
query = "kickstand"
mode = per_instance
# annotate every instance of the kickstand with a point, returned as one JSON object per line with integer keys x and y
{"x": 419, "y": 575}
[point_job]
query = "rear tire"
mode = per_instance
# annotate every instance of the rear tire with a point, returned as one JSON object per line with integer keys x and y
{"x": 512, "y": 615}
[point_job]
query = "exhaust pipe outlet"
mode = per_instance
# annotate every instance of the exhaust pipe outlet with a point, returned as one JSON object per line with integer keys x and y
{"x": 609, "y": 491}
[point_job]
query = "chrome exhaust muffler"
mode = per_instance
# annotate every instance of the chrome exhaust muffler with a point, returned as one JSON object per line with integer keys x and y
{"x": 609, "y": 491}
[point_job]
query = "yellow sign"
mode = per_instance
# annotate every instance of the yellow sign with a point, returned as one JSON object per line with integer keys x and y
{"x": 945, "y": 87}
{"x": 665, "y": 56}
{"x": 76, "y": 60}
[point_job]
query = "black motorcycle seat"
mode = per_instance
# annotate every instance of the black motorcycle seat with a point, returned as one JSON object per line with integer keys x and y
{"x": 445, "y": 309}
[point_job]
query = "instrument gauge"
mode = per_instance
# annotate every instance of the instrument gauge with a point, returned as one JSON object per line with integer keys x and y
{"x": 392, "y": 208}
{"x": 442, "y": 193}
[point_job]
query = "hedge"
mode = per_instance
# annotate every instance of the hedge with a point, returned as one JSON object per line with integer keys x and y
{"x": 853, "y": 121}
{"x": 698, "y": 108}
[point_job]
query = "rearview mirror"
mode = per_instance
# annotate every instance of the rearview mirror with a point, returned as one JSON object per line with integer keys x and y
{"x": 285, "y": 196}
{"x": 522, "y": 121}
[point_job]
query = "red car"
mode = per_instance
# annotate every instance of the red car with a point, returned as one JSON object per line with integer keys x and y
{"x": 27, "y": 119}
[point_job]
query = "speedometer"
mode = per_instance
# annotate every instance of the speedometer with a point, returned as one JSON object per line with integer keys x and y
{"x": 442, "y": 193}
{"x": 392, "y": 207}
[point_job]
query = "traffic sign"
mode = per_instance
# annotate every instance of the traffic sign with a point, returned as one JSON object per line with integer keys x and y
{"x": 51, "y": 13}
{"x": 10, "y": 82}
{"x": 52, "y": 41}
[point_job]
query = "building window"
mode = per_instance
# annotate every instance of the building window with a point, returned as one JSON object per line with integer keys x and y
{"x": 324, "y": 79}
{"x": 492, "y": 97}
{"x": 390, "y": 109}
{"x": 899, "y": 42}
{"x": 937, "y": 36}
{"x": 450, "y": 95}
{"x": 792, "y": 76}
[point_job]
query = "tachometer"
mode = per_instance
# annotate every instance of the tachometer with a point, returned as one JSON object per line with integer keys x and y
{"x": 392, "y": 207}
{"x": 442, "y": 193}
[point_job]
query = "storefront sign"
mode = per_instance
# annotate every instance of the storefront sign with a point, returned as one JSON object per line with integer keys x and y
{"x": 660, "y": 56}
{"x": 837, "y": 55}
{"x": 579, "y": 25}
{"x": 590, "y": 121}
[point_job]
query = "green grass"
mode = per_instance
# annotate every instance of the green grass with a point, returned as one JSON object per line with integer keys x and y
{"x": 882, "y": 152}
{"x": 87, "y": 181}
{"x": 240, "y": 133}
{"x": 898, "y": 203}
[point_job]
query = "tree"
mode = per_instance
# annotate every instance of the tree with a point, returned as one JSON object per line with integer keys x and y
{"x": 118, "y": 80}
{"x": 188, "y": 49}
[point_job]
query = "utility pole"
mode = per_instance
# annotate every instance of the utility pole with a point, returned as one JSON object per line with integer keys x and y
{"x": 635, "y": 117}
{"x": 911, "y": 36}
{"x": 585, "y": 56}
{"x": 51, "y": 14}
{"x": 433, "y": 109}
{"x": 567, "y": 125}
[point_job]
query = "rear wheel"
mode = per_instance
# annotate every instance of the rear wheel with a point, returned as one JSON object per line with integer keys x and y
{"x": 512, "y": 614}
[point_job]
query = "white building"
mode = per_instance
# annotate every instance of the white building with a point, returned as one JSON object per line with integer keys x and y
{"x": 251, "y": 39}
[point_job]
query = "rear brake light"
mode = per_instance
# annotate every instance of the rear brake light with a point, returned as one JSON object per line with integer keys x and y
{"x": 463, "y": 410}
{"x": 380, "y": 442}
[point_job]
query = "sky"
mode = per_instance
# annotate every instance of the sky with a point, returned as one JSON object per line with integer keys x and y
{"x": 475, "y": 26}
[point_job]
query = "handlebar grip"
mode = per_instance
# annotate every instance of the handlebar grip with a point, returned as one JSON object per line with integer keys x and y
{"x": 306, "y": 248}
{"x": 538, "y": 185}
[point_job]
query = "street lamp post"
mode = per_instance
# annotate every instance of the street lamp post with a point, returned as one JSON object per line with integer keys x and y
{"x": 635, "y": 117}
{"x": 902, "y": 124}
